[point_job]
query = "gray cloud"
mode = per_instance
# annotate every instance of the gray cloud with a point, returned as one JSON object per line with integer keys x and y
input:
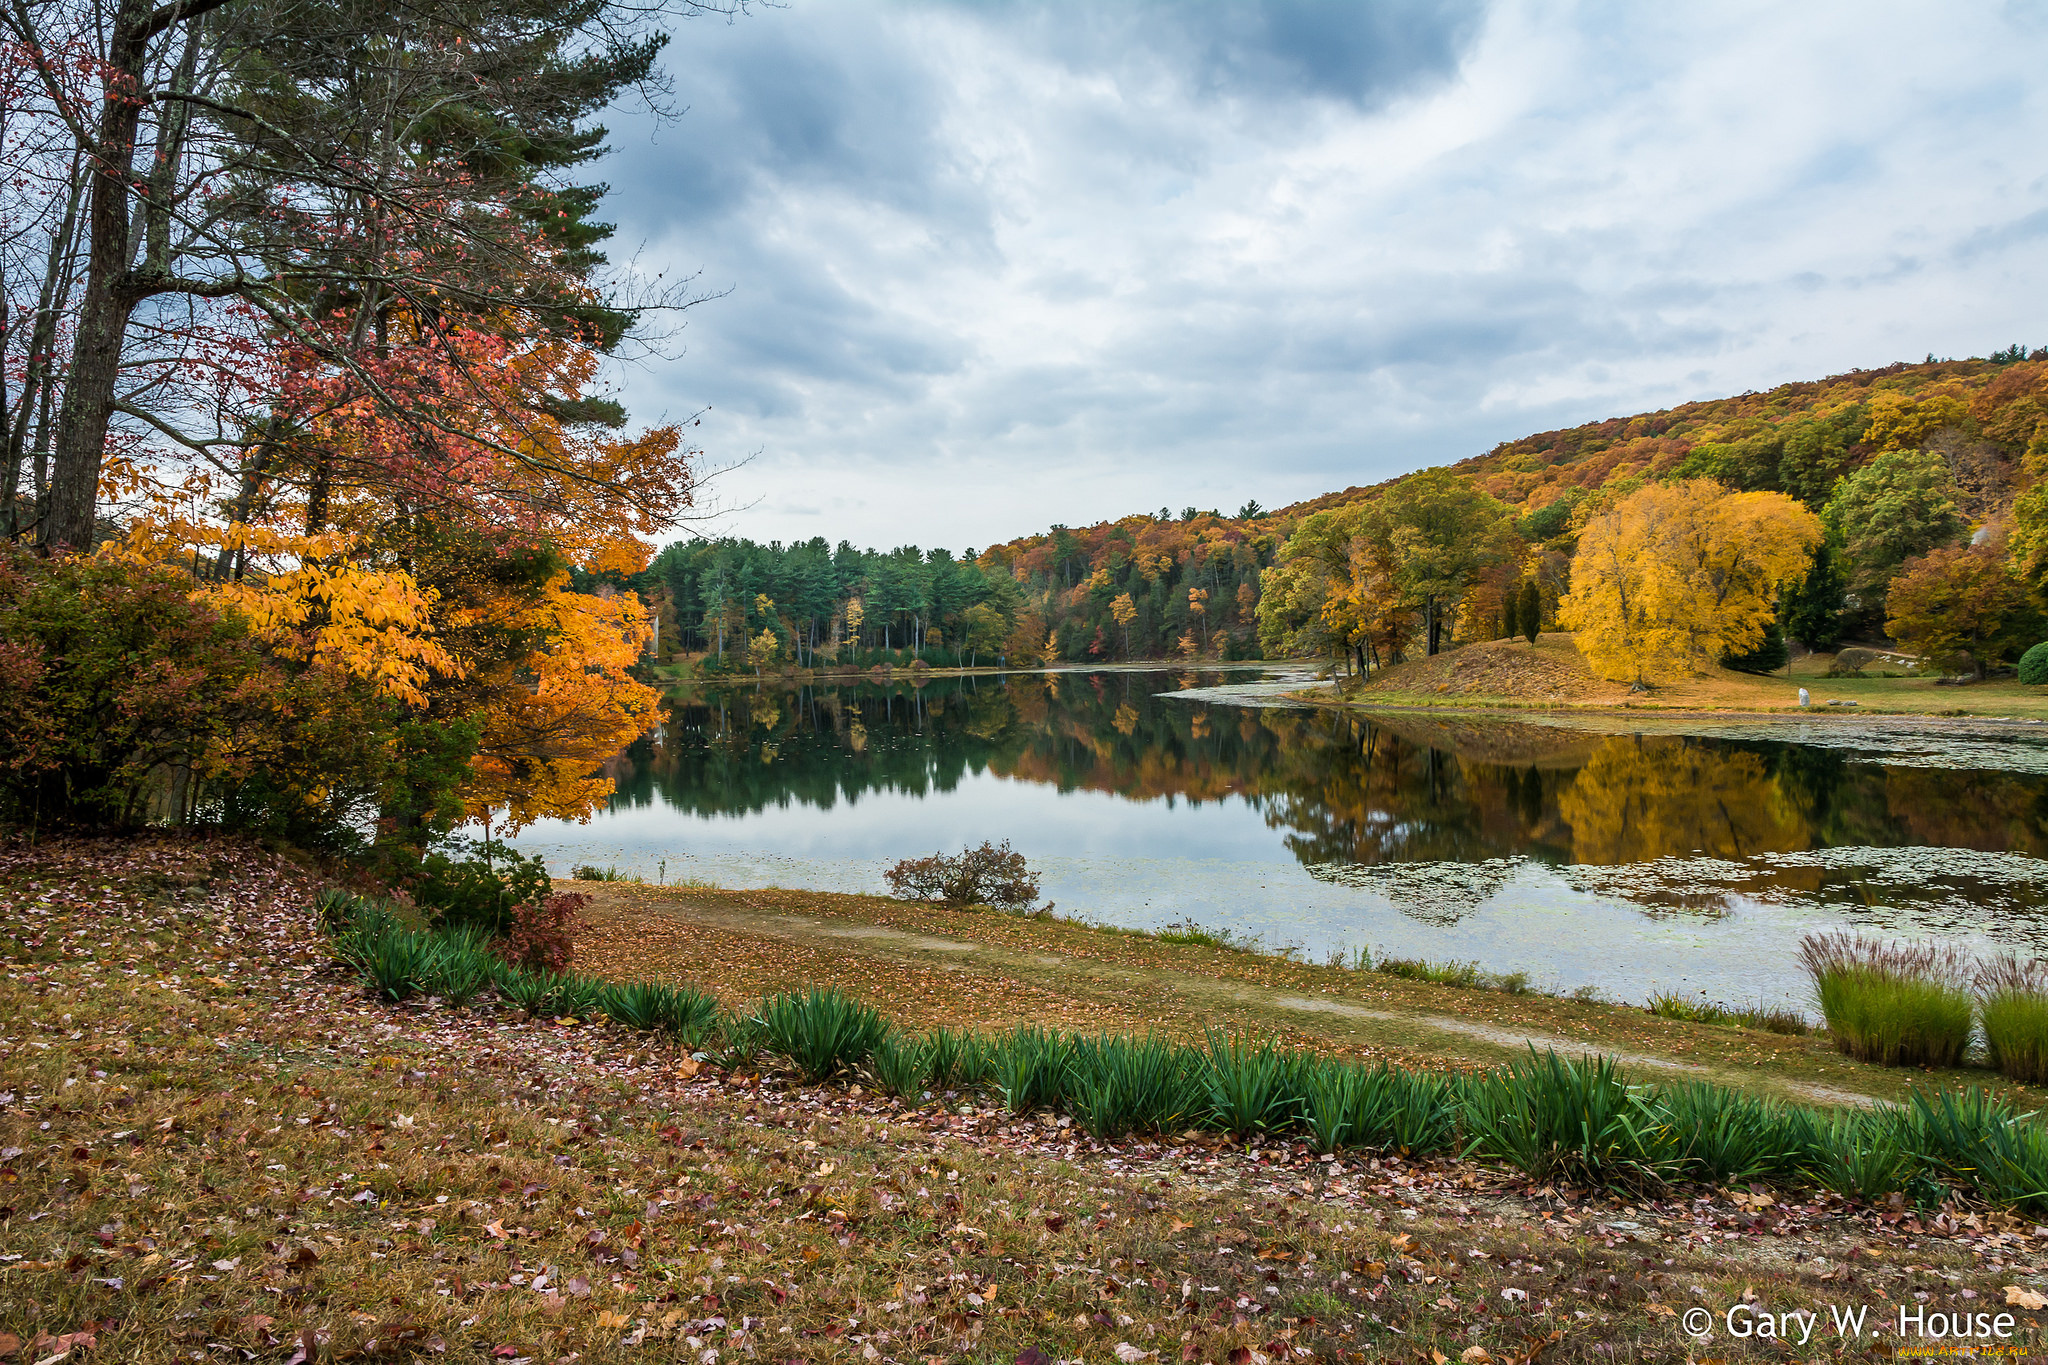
{"x": 997, "y": 265}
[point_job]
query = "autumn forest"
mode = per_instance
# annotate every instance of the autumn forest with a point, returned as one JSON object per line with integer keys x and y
{"x": 322, "y": 518}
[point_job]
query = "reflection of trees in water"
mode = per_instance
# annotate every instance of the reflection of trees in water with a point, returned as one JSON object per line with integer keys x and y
{"x": 1341, "y": 789}
{"x": 739, "y": 751}
{"x": 1639, "y": 798}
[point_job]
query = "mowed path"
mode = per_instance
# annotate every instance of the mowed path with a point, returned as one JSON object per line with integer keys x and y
{"x": 742, "y": 944}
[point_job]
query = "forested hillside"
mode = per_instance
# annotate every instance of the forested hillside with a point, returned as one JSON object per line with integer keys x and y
{"x": 1800, "y": 508}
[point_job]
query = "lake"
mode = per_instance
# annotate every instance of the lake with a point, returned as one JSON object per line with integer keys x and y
{"x": 1606, "y": 851}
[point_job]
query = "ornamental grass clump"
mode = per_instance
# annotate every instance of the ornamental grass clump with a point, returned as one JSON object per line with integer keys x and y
{"x": 1118, "y": 1085}
{"x": 822, "y": 1030}
{"x": 2012, "y": 997}
{"x": 459, "y": 966}
{"x": 960, "y": 1059}
{"x": 684, "y": 1013}
{"x": 1029, "y": 1066}
{"x": 1348, "y": 1105}
{"x": 1896, "y": 1004}
{"x": 1254, "y": 1087}
{"x": 1558, "y": 1118}
{"x": 900, "y": 1064}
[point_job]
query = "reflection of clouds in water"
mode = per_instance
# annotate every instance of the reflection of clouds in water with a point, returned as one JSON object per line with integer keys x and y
{"x": 1898, "y": 890}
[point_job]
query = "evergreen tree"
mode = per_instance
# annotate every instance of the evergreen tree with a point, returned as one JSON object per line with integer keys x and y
{"x": 1813, "y": 610}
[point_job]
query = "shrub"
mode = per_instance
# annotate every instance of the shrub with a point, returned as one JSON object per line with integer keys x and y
{"x": 541, "y": 935}
{"x": 822, "y": 1031}
{"x": 124, "y": 698}
{"x": 2013, "y": 997}
{"x": 2034, "y": 665}
{"x": 993, "y": 874}
{"x": 481, "y": 892}
{"x": 1897, "y": 1004}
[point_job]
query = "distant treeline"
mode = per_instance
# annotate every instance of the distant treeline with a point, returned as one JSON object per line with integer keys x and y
{"x": 1728, "y": 526}
{"x": 1140, "y": 588}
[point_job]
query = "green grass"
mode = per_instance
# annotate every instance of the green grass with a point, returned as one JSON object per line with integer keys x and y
{"x": 1467, "y": 975}
{"x": 588, "y": 872}
{"x": 821, "y": 1031}
{"x": 2012, "y": 997}
{"x": 1896, "y": 1004}
{"x": 1699, "y": 1010}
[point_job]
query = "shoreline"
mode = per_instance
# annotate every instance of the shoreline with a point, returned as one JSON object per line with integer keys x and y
{"x": 1503, "y": 708}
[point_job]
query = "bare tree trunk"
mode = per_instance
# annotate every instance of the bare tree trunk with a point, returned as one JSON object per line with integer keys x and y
{"x": 33, "y": 405}
{"x": 110, "y": 293}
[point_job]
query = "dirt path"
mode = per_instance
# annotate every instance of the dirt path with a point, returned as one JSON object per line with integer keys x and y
{"x": 997, "y": 985}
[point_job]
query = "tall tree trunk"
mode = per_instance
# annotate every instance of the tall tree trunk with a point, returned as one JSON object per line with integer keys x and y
{"x": 110, "y": 292}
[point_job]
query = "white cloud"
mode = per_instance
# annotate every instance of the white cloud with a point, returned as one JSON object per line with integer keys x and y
{"x": 997, "y": 267}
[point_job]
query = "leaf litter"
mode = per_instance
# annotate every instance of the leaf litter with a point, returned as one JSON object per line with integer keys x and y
{"x": 212, "y": 1144}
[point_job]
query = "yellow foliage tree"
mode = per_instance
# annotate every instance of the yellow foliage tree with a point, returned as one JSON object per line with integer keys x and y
{"x": 1124, "y": 611}
{"x": 1677, "y": 574}
{"x": 542, "y": 744}
{"x": 763, "y": 648}
{"x": 1901, "y": 421}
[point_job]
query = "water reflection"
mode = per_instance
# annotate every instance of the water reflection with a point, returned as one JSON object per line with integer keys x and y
{"x": 1437, "y": 815}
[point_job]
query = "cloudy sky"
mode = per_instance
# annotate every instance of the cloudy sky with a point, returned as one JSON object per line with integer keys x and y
{"x": 987, "y": 267}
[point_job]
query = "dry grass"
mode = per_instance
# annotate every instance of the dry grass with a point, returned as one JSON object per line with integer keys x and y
{"x": 212, "y": 1146}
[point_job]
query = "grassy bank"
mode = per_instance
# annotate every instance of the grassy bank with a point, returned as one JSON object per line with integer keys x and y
{"x": 1551, "y": 674}
{"x": 215, "y": 1144}
{"x": 932, "y": 966}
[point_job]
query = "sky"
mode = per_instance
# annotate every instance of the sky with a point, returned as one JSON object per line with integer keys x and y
{"x": 978, "y": 269}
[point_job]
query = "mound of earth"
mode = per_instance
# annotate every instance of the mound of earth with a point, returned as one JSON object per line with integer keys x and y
{"x": 1550, "y": 671}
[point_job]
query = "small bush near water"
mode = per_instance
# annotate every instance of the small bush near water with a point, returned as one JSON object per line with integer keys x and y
{"x": 1897, "y": 1004}
{"x": 993, "y": 874}
{"x": 2013, "y": 997}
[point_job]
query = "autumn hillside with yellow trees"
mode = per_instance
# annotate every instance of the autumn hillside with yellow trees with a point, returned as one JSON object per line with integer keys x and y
{"x": 1902, "y": 504}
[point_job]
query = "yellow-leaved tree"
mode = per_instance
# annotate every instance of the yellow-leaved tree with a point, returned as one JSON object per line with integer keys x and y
{"x": 1678, "y": 574}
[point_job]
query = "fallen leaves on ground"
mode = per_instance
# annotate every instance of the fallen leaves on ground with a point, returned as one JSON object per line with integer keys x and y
{"x": 212, "y": 1143}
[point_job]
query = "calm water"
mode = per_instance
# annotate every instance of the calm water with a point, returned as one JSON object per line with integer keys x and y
{"x": 1633, "y": 856}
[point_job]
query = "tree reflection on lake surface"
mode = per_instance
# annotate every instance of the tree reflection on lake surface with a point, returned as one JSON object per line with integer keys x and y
{"x": 1628, "y": 853}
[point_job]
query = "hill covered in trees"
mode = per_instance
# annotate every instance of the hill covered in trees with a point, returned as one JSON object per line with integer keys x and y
{"x": 1900, "y": 501}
